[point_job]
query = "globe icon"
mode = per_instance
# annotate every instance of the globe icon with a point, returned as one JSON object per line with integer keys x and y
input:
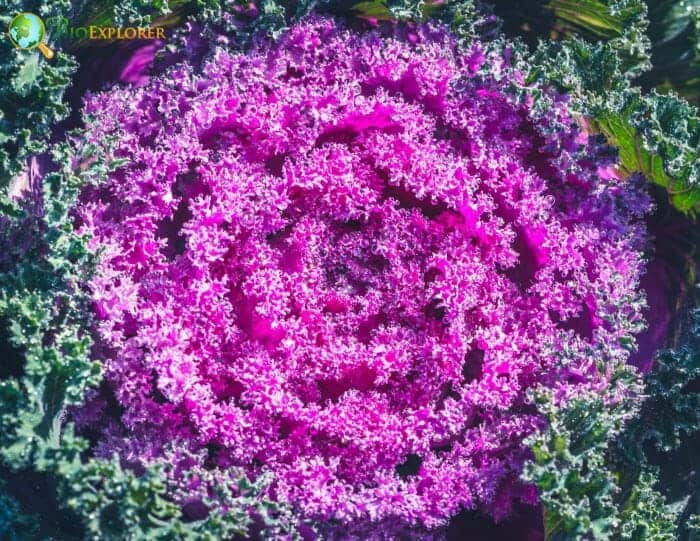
{"x": 27, "y": 31}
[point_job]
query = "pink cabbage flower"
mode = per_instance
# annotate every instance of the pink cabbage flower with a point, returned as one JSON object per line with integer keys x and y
{"x": 342, "y": 260}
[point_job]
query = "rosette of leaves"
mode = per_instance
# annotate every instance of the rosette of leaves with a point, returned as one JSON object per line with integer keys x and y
{"x": 38, "y": 292}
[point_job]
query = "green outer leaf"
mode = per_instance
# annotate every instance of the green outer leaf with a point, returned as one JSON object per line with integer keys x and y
{"x": 594, "y": 17}
{"x": 599, "y": 464}
{"x": 373, "y": 9}
{"x": 635, "y": 158}
{"x": 656, "y": 135}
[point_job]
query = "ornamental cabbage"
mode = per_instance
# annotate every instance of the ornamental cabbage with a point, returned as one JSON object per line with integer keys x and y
{"x": 342, "y": 260}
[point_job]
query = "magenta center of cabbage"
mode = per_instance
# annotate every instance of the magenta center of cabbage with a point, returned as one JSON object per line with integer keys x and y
{"x": 341, "y": 260}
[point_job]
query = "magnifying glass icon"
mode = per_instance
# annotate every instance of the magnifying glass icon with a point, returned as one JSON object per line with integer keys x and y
{"x": 27, "y": 31}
